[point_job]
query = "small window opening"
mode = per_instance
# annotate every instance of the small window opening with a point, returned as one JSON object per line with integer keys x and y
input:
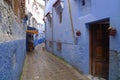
{"x": 83, "y": 2}
{"x": 59, "y": 46}
{"x": 49, "y": 17}
{"x": 50, "y": 44}
{"x": 60, "y": 17}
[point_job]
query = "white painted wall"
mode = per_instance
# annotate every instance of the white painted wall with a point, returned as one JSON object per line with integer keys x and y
{"x": 36, "y": 10}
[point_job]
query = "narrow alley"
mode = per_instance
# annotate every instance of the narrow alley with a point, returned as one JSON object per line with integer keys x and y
{"x": 41, "y": 65}
{"x": 59, "y": 40}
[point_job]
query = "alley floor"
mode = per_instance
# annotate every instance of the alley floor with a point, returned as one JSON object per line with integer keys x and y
{"x": 42, "y": 65}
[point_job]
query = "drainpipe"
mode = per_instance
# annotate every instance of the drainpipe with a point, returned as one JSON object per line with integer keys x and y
{"x": 52, "y": 32}
{"x": 71, "y": 20}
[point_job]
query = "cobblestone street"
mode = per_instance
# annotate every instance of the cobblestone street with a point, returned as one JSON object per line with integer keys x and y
{"x": 41, "y": 65}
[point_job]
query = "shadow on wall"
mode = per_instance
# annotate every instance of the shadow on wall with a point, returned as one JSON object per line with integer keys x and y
{"x": 12, "y": 56}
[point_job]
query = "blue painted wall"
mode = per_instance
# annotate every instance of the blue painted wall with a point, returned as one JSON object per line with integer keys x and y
{"x": 38, "y": 41}
{"x": 12, "y": 56}
{"x": 78, "y": 54}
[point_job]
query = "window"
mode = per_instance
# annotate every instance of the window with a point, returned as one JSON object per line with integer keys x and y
{"x": 58, "y": 5}
{"x": 83, "y": 2}
{"x": 60, "y": 15}
{"x": 46, "y": 1}
{"x": 28, "y": 1}
{"x": 49, "y": 16}
{"x": 59, "y": 46}
{"x": 8, "y": 2}
{"x": 85, "y": 7}
{"x": 50, "y": 44}
{"x": 86, "y": 3}
{"x": 0, "y": 17}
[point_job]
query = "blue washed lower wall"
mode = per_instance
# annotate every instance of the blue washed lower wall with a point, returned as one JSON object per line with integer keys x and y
{"x": 74, "y": 55}
{"x": 119, "y": 66}
{"x": 77, "y": 56}
{"x": 12, "y": 56}
{"x": 114, "y": 65}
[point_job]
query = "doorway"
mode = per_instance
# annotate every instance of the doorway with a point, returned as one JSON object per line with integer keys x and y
{"x": 99, "y": 49}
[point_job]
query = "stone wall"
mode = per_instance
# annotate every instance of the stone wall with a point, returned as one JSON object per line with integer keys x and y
{"x": 10, "y": 25}
{"x": 12, "y": 44}
{"x": 73, "y": 54}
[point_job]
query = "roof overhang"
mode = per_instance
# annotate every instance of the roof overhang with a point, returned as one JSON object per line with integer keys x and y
{"x": 32, "y": 31}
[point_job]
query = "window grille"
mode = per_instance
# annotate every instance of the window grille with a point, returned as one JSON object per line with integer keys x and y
{"x": 59, "y": 46}
{"x": 50, "y": 44}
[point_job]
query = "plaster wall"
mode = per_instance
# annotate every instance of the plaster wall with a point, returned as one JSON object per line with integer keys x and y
{"x": 78, "y": 54}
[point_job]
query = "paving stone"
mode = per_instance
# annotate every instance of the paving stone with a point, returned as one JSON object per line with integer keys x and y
{"x": 42, "y": 65}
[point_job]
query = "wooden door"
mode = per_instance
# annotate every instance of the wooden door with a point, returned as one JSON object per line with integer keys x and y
{"x": 99, "y": 50}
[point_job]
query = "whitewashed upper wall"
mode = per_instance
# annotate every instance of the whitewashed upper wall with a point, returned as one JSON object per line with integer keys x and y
{"x": 10, "y": 27}
{"x": 38, "y": 14}
{"x": 49, "y": 6}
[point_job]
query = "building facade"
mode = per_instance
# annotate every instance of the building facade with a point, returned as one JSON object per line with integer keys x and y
{"x": 35, "y": 12}
{"x": 85, "y": 33}
{"x": 12, "y": 39}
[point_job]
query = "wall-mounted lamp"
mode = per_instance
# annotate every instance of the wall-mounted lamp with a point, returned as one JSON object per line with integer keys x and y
{"x": 78, "y": 33}
{"x": 112, "y": 31}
